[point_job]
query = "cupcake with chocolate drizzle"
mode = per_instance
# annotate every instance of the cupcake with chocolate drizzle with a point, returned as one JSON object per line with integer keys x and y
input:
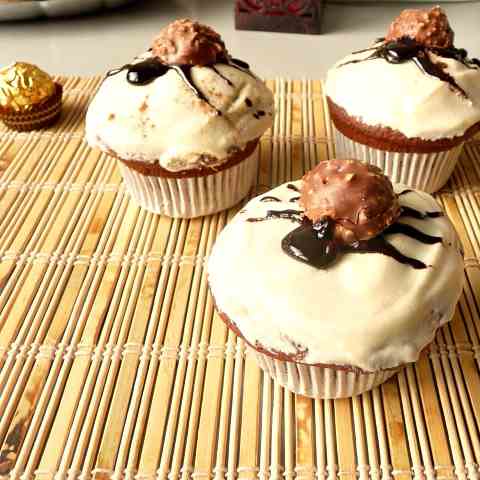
{"x": 409, "y": 102}
{"x": 183, "y": 120}
{"x": 338, "y": 280}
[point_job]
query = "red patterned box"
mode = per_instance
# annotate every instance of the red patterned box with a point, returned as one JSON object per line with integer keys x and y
{"x": 292, "y": 16}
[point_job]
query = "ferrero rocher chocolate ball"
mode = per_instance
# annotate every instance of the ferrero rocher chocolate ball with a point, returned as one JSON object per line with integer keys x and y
{"x": 185, "y": 42}
{"x": 30, "y": 99}
{"x": 427, "y": 27}
{"x": 23, "y": 85}
{"x": 358, "y": 197}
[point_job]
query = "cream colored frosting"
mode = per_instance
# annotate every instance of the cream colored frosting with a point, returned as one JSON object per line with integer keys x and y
{"x": 164, "y": 121}
{"x": 402, "y": 97}
{"x": 367, "y": 310}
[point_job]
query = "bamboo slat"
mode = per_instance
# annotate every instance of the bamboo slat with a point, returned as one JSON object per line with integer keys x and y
{"x": 114, "y": 364}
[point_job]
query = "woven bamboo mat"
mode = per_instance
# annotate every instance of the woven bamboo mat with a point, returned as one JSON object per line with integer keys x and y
{"x": 113, "y": 363}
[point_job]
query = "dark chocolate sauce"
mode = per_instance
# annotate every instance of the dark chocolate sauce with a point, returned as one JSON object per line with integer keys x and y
{"x": 380, "y": 245}
{"x": 185, "y": 71}
{"x": 459, "y": 54}
{"x": 220, "y": 74}
{"x": 406, "y": 49}
{"x": 149, "y": 69}
{"x": 270, "y": 199}
{"x": 144, "y": 72}
{"x": 423, "y": 61}
{"x": 411, "y": 232}
{"x": 313, "y": 243}
{"x": 239, "y": 63}
{"x": 411, "y": 212}
{"x": 291, "y": 186}
{"x": 289, "y": 214}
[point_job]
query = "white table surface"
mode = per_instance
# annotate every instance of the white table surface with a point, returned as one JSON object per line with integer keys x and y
{"x": 91, "y": 44}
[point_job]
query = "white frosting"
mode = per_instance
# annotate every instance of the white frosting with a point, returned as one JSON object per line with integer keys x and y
{"x": 164, "y": 121}
{"x": 366, "y": 310}
{"x": 402, "y": 97}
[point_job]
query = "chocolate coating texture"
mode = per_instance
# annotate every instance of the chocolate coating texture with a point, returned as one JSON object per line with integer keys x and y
{"x": 357, "y": 197}
{"x": 185, "y": 42}
{"x": 427, "y": 27}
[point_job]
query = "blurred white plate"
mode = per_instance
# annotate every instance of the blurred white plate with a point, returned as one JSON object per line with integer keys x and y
{"x": 400, "y": 2}
{"x": 23, "y": 9}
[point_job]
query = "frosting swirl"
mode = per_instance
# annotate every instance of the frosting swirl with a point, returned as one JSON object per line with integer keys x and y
{"x": 23, "y": 85}
{"x": 185, "y": 42}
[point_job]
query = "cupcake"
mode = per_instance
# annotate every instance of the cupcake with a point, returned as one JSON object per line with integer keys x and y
{"x": 408, "y": 103}
{"x": 29, "y": 98}
{"x": 183, "y": 120}
{"x": 338, "y": 280}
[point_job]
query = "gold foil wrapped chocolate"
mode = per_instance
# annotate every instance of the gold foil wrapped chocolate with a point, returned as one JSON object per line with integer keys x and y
{"x": 23, "y": 85}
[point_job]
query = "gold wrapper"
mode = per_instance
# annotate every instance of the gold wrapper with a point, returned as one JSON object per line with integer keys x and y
{"x": 23, "y": 85}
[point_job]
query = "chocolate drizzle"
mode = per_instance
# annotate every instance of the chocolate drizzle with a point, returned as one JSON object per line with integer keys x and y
{"x": 406, "y": 49}
{"x": 221, "y": 75}
{"x": 288, "y": 214}
{"x": 149, "y": 69}
{"x": 142, "y": 73}
{"x": 240, "y": 63}
{"x": 314, "y": 244}
{"x": 270, "y": 199}
{"x": 185, "y": 71}
{"x": 411, "y": 232}
{"x": 410, "y": 212}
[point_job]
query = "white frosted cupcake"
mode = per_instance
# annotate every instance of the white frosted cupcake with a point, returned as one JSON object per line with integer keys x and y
{"x": 337, "y": 281}
{"x": 184, "y": 120}
{"x": 407, "y": 104}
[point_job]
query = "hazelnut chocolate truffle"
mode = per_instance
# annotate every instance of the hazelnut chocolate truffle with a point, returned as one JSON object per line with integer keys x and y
{"x": 356, "y": 196}
{"x": 416, "y": 100}
{"x": 184, "y": 42}
{"x": 183, "y": 119}
{"x": 426, "y": 27}
{"x": 326, "y": 317}
{"x": 29, "y": 98}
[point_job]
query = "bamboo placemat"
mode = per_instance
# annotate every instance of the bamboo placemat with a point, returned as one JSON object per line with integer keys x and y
{"x": 113, "y": 363}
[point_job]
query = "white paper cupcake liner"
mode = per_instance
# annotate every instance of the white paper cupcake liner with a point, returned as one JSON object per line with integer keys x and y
{"x": 424, "y": 171}
{"x": 191, "y": 196}
{"x": 320, "y": 382}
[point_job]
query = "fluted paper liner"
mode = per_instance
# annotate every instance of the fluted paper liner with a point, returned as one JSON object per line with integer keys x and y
{"x": 191, "y": 197}
{"x": 113, "y": 364}
{"x": 320, "y": 382}
{"x": 424, "y": 171}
